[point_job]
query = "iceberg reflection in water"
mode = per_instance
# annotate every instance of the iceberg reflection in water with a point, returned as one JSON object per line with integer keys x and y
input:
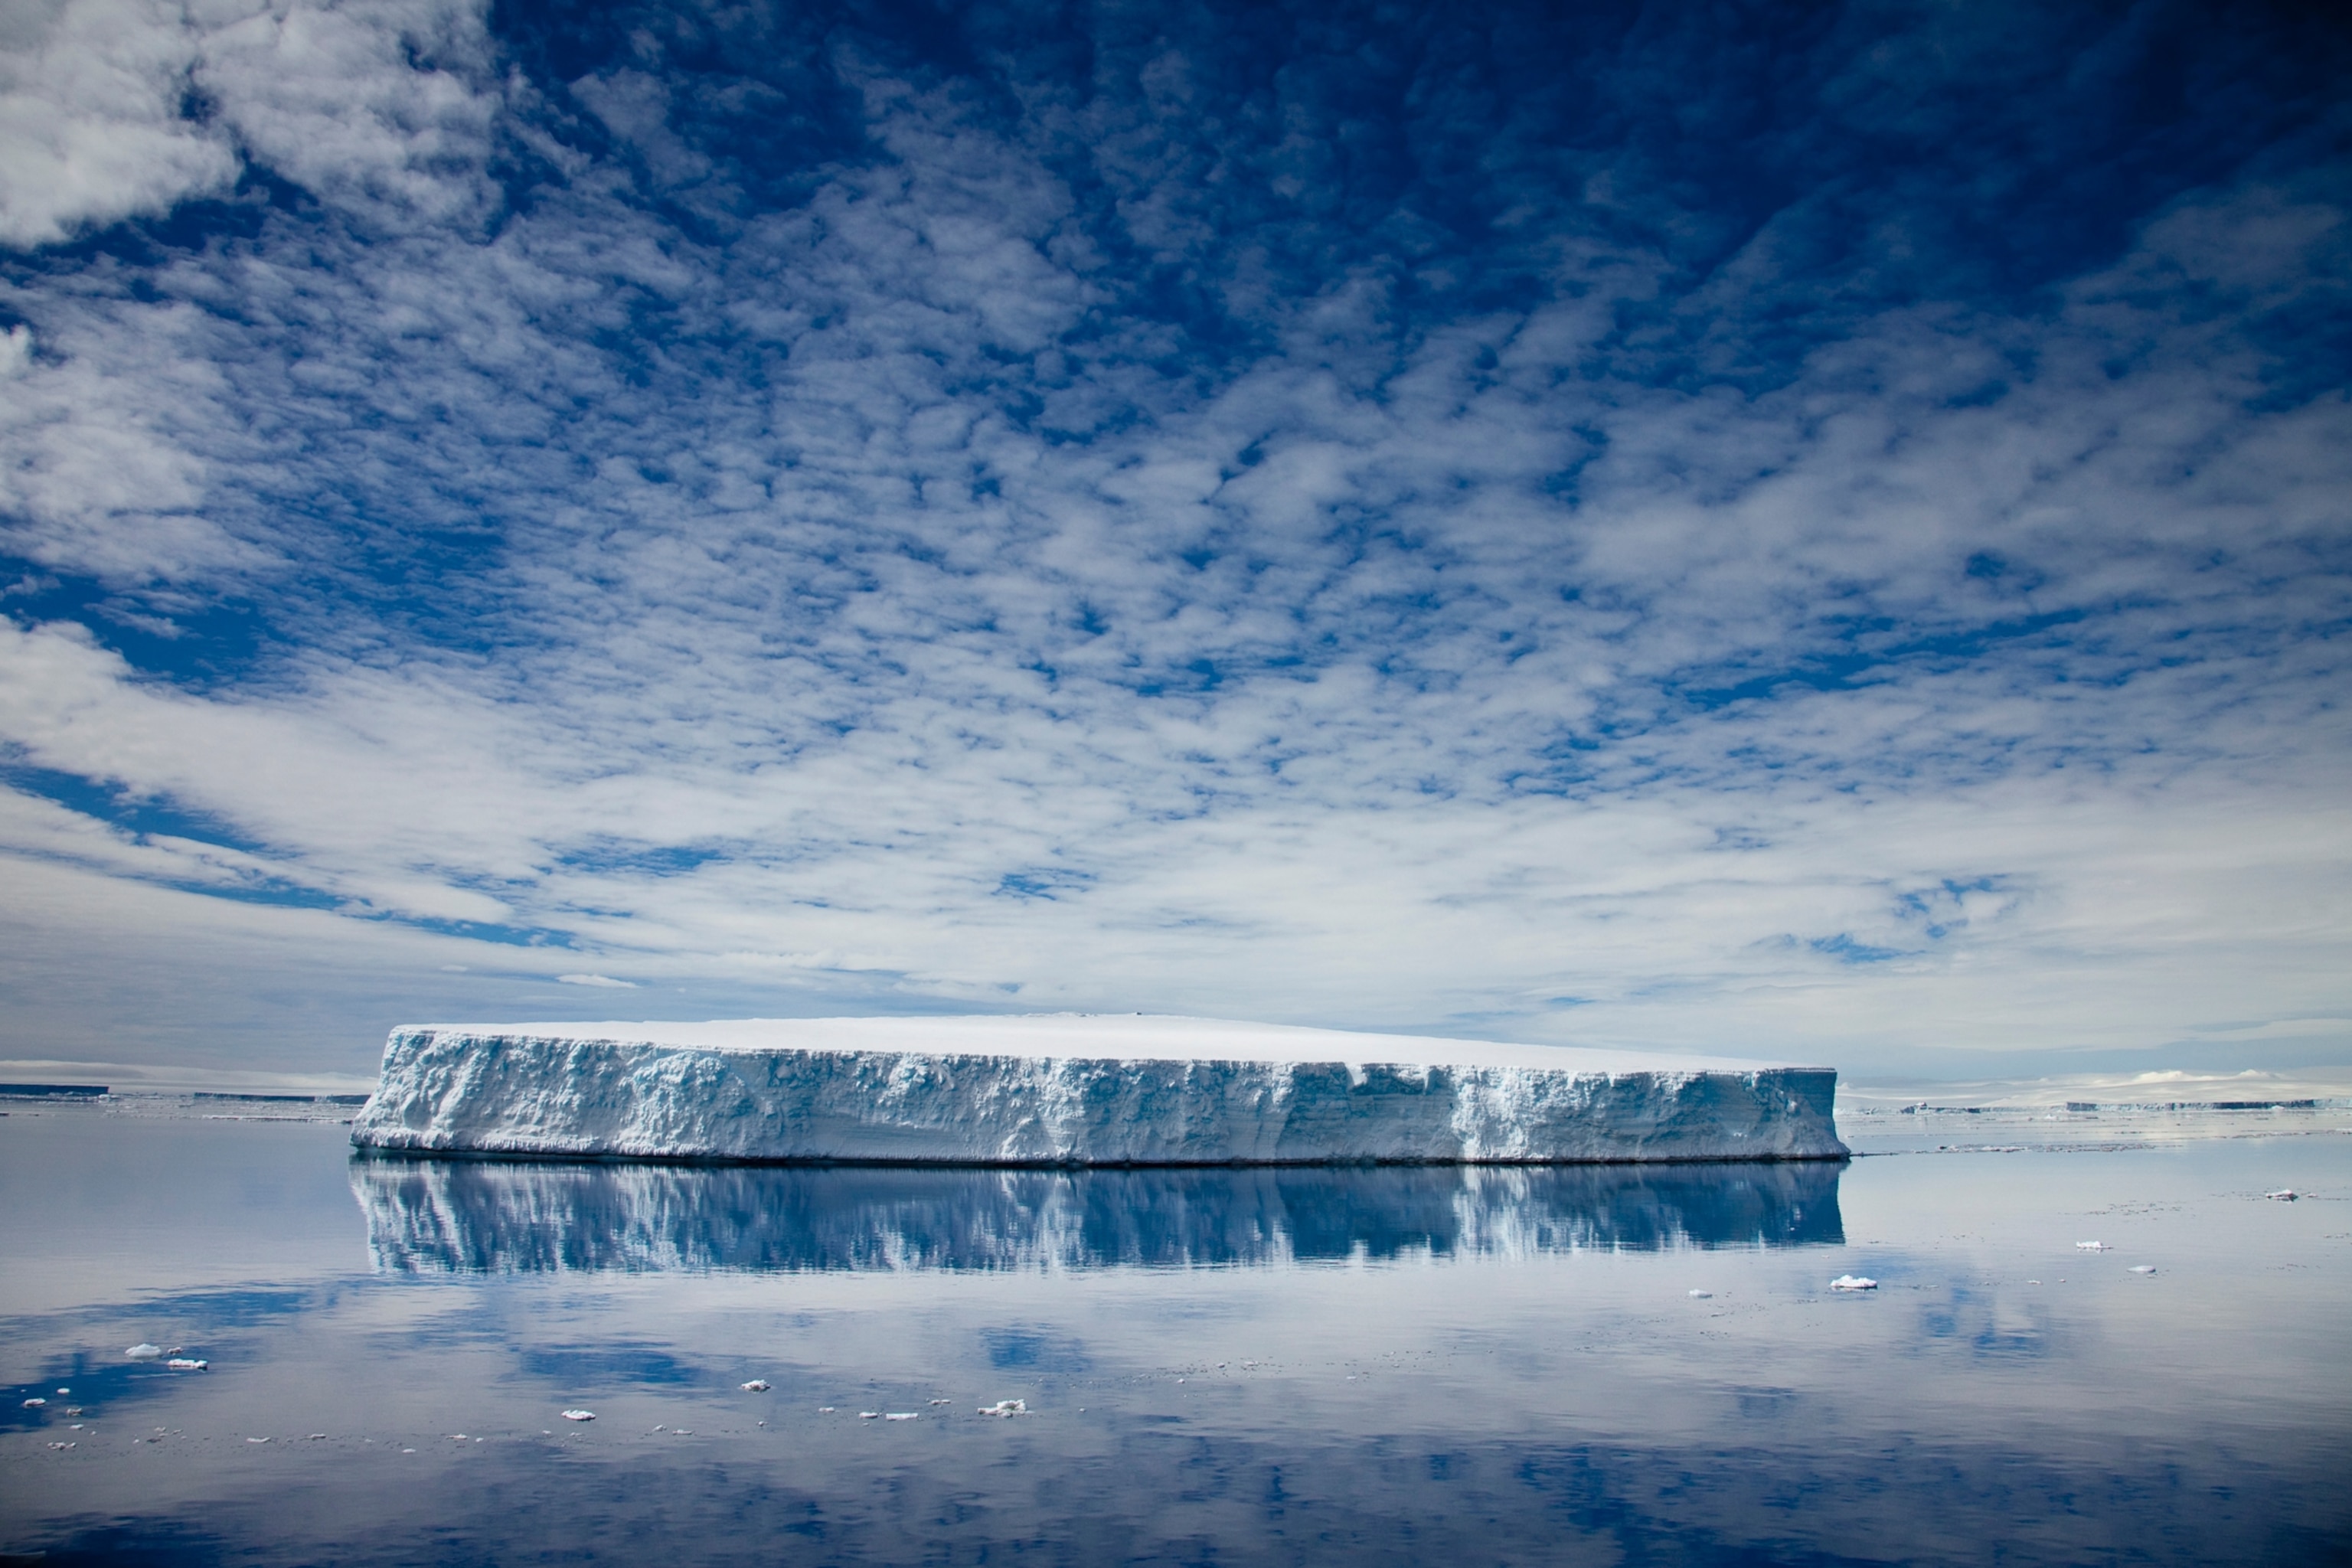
{"x": 479, "y": 1216}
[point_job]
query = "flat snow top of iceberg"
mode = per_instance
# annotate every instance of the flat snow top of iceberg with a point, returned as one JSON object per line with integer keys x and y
{"x": 1114, "y": 1036}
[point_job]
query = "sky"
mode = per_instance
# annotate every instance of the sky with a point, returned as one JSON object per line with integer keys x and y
{"x": 1819, "y": 531}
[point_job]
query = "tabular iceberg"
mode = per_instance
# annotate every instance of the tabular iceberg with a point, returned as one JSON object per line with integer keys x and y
{"x": 1071, "y": 1089}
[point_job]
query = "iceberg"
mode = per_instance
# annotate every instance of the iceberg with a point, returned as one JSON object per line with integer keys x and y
{"x": 1071, "y": 1089}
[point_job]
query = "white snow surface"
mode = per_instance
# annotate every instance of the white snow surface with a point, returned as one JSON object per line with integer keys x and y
{"x": 1071, "y": 1089}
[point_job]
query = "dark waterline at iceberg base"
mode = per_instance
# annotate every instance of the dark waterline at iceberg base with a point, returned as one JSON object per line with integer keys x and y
{"x": 1307, "y": 1365}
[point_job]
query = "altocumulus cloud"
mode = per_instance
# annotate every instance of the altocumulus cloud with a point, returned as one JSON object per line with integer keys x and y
{"x": 1799, "y": 529}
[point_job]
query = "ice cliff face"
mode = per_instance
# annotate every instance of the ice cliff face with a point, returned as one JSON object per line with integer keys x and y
{"x": 1069, "y": 1090}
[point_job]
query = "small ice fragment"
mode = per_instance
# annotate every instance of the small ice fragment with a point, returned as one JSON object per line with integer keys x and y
{"x": 65, "y": 1391}
{"x": 460, "y": 1436}
{"x": 580, "y": 1415}
{"x": 681, "y": 1432}
{"x": 408, "y": 1450}
{"x": 826, "y": 1409}
{"x": 1008, "y": 1407}
{"x": 61, "y": 1444}
{"x": 142, "y": 1351}
{"x": 2033, "y": 1281}
{"x": 943, "y": 1402}
{"x": 1853, "y": 1282}
{"x": 1701, "y": 1295}
{"x": 2090, "y": 1247}
{"x": 870, "y": 1415}
{"x": 73, "y": 1409}
{"x": 187, "y": 1364}
{"x": 34, "y": 1402}
{"x": 2143, "y": 1269}
{"x": 661, "y": 1428}
{"x": 317, "y": 1437}
{"x": 900, "y": 1415}
{"x": 757, "y": 1385}
{"x": 2284, "y": 1195}
{"x": 256, "y": 1440}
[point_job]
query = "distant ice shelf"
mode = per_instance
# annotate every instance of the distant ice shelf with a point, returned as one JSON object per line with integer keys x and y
{"x": 1072, "y": 1090}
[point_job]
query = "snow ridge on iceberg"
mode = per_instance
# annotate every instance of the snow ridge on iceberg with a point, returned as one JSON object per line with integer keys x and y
{"x": 1071, "y": 1089}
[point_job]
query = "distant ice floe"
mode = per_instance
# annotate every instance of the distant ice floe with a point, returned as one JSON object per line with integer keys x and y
{"x": 1005, "y": 1407}
{"x": 2284, "y": 1196}
{"x": 2143, "y": 1269}
{"x": 1701, "y": 1295}
{"x": 580, "y": 1415}
{"x": 757, "y": 1385}
{"x": 1072, "y": 1090}
{"x": 143, "y": 1351}
{"x": 188, "y": 1363}
{"x": 1853, "y": 1282}
{"x": 2091, "y": 1247}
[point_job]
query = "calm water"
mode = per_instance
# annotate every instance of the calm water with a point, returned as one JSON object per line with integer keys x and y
{"x": 1359, "y": 1366}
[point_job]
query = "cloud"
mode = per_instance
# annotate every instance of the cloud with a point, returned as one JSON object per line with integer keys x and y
{"x": 1244, "y": 525}
{"x": 92, "y": 122}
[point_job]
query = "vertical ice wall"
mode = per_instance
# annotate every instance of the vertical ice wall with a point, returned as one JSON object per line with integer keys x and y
{"x": 1071, "y": 1090}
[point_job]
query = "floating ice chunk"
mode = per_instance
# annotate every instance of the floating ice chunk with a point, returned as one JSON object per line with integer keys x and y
{"x": 826, "y": 1409}
{"x": 2091, "y": 1246}
{"x": 900, "y": 1415}
{"x": 942, "y": 1402}
{"x": 188, "y": 1363}
{"x": 144, "y": 1351}
{"x": 1005, "y": 1407}
{"x": 1853, "y": 1282}
{"x": 1701, "y": 1295}
{"x": 256, "y": 1440}
{"x": 757, "y": 1385}
{"x": 2284, "y": 1195}
{"x": 1073, "y": 1091}
{"x": 580, "y": 1415}
{"x": 34, "y": 1402}
{"x": 61, "y": 1444}
{"x": 316, "y": 1437}
{"x": 870, "y": 1415}
{"x": 2143, "y": 1269}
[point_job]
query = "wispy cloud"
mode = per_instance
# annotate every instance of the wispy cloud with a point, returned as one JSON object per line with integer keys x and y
{"x": 1829, "y": 539}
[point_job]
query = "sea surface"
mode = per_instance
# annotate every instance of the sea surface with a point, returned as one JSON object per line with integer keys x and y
{"x": 1589, "y": 1364}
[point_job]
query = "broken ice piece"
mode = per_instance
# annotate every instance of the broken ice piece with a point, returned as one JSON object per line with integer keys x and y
{"x": 900, "y": 1415}
{"x": 2090, "y": 1247}
{"x": 757, "y": 1385}
{"x": 943, "y": 1402}
{"x": 580, "y": 1415}
{"x": 1853, "y": 1282}
{"x": 144, "y": 1351}
{"x": 1701, "y": 1295}
{"x": 2143, "y": 1269}
{"x": 34, "y": 1402}
{"x": 2284, "y": 1195}
{"x": 187, "y": 1364}
{"x": 1005, "y": 1407}
{"x": 316, "y": 1437}
{"x": 870, "y": 1415}
{"x": 256, "y": 1440}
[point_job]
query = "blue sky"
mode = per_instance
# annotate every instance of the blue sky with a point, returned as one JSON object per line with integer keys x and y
{"x": 1790, "y": 529}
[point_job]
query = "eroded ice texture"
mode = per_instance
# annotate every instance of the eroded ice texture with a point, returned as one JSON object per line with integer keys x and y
{"x": 1071, "y": 1089}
